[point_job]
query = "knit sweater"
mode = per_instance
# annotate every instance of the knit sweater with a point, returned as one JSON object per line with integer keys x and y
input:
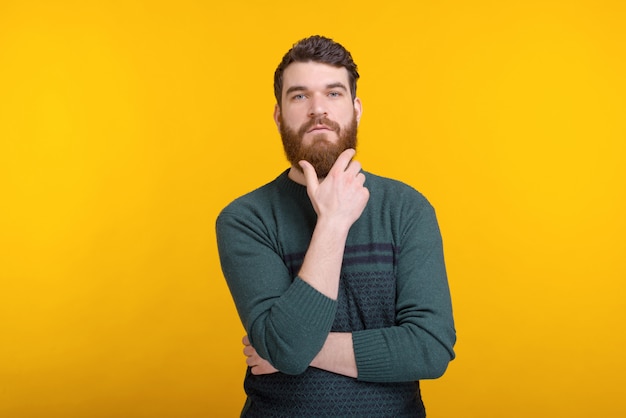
{"x": 393, "y": 298}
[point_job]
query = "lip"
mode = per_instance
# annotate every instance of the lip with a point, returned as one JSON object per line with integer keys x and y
{"x": 319, "y": 128}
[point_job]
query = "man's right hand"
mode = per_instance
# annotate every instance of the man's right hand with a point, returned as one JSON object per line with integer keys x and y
{"x": 341, "y": 197}
{"x": 339, "y": 200}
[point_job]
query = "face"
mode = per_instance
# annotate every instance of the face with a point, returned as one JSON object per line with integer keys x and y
{"x": 318, "y": 118}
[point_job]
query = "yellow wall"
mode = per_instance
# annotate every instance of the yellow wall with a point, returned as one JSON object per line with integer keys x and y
{"x": 125, "y": 126}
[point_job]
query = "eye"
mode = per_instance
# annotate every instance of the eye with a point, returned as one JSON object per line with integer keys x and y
{"x": 334, "y": 94}
{"x": 298, "y": 97}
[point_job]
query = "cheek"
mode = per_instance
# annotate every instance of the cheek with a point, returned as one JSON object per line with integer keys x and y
{"x": 291, "y": 119}
{"x": 347, "y": 118}
{"x": 345, "y": 113}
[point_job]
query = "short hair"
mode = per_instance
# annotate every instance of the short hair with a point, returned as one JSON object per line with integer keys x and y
{"x": 317, "y": 49}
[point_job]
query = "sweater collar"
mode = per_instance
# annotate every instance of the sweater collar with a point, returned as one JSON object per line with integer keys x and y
{"x": 289, "y": 186}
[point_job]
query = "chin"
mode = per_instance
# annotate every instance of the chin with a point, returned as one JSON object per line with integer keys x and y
{"x": 323, "y": 138}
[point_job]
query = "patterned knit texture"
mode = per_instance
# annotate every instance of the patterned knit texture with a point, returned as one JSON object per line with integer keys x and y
{"x": 393, "y": 297}
{"x": 366, "y": 300}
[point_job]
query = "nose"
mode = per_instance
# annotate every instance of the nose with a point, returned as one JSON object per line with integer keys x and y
{"x": 317, "y": 107}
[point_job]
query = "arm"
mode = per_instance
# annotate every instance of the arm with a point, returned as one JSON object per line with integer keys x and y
{"x": 288, "y": 319}
{"x": 336, "y": 356}
{"x": 420, "y": 346}
{"x": 338, "y": 201}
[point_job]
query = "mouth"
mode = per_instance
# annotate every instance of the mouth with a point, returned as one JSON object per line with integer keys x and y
{"x": 319, "y": 128}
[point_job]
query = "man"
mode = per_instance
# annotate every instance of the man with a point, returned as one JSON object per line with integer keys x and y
{"x": 337, "y": 274}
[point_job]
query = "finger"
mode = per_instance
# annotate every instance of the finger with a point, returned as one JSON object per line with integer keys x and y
{"x": 343, "y": 160}
{"x": 354, "y": 168}
{"x": 310, "y": 176}
{"x": 245, "y": 340}
{"x": 258, "y": 369}
{"x": 249, "y": 350}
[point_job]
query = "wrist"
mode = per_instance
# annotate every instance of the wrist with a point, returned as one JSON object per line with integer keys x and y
{"x": 332, "y": 225}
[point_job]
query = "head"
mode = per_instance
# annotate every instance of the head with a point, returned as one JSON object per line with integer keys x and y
{"x": 317, "y": 111}
{"x": 316, "y": 49}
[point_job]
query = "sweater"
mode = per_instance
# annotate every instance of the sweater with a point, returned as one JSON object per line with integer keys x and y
{"x": 393, "y": 297}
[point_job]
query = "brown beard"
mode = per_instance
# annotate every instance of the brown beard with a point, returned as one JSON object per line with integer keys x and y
{"x": 321, "y": 153}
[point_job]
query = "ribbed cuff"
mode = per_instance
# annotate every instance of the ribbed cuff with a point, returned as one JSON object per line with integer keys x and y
{"x": 372, "y": 357}
{"x": 308, "y": 308}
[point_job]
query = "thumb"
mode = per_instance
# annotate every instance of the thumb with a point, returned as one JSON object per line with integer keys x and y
{"x": 310, "y": 176}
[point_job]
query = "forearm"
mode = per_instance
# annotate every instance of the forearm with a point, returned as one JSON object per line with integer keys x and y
{"x": 321, "y": 267}
{"x": 403, "y": 353}
{"x": 415, "y": 350}
{"x": 286, "y": 319}
{"x": 337, "y": 355}
{"x": 420, "y": 344}
{"x": 292, "y": 332}
{"x": 338, "y": 201}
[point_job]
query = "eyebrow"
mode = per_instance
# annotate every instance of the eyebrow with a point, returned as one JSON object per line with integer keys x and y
{"x": 328, "y": 87}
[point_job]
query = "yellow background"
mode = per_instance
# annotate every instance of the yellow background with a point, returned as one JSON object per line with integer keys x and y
{"x": 125, "y": 126}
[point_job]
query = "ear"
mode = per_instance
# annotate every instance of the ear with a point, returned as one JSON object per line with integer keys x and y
{"x": 358, "y": 108}
{"x": 277, "y": 116}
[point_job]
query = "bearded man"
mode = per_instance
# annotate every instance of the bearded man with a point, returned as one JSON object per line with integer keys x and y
{"x": 337, "y": 274}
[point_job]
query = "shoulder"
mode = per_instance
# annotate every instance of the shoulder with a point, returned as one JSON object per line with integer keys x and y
{"x": 253, "y": 199}
{"x": 394, "y": 191}
{"x": 279, "y": 199}
{"x": 256, "y": 199}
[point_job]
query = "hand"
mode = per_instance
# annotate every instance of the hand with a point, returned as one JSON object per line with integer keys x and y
{"x": 257, "y": 364}
{"x": 340, "y": 196}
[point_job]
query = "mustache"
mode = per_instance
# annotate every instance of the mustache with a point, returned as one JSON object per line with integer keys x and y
{"x": 320, "y": 120}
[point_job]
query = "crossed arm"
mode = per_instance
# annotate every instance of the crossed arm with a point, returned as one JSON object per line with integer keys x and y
{"x": 419, "y": 346}
{"x": 339, "y": 200}
{"x": 337, "y": 356}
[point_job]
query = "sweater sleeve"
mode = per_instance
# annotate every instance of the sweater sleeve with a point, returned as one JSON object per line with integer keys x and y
{"x": 420, "y": 345}
{"x": 286, "y": 319}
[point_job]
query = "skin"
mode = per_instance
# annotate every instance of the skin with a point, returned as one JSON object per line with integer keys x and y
{"x": 309, "y": 91}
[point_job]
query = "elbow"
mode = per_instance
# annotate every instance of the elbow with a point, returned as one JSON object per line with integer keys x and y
{"x": 436, "y": 363}
{"x": 426, "y": 369}
{"x": 431, "y": 357}
{"x": 436, "y": 369}
{"x": 286, "y": 358}
{"x": 292, "y": 365}
{"x": 438, "y": 354}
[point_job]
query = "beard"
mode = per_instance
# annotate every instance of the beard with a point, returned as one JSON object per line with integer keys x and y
{"x": 320, "y": 153}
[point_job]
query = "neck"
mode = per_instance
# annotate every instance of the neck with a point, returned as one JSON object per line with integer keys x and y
{"x": 297, "y": 175}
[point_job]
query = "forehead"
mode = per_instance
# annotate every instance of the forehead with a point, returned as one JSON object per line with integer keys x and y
{"x": 313, "y": 75}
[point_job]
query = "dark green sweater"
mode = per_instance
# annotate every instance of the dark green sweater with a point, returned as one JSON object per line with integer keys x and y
{"x": 393, "y": 297}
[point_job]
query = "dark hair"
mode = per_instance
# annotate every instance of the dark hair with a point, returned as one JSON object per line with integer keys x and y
{"x": 317, "y": 49}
